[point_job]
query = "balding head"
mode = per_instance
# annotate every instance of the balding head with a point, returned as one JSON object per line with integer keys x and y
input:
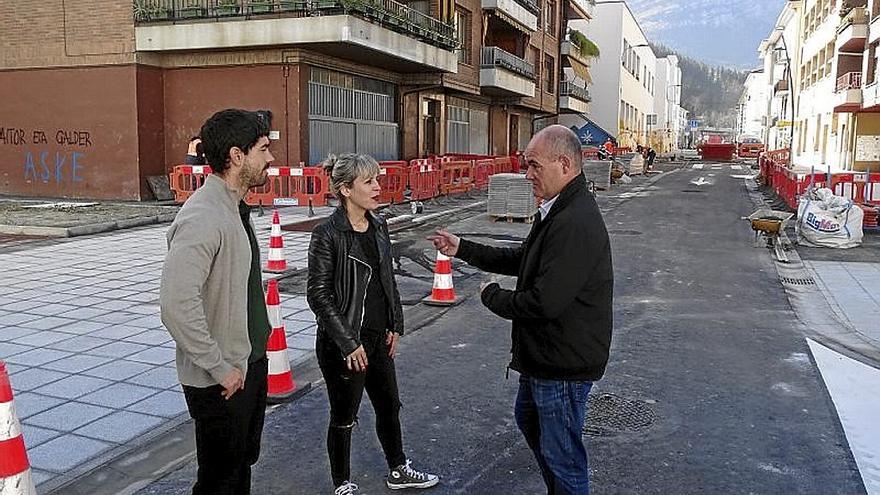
{"x": 554, "y": 159}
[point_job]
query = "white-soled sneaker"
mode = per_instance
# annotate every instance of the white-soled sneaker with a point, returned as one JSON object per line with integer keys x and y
{"x": 347, "y": 488}
{"x": 405, "y": 476}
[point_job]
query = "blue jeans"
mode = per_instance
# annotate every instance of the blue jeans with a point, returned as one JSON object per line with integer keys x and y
{"x": 550, "y": 414}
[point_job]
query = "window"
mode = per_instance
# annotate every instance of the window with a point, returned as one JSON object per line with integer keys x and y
{"x": 463, "y": 28}
{"x": 535, "y": 55}
{"x": 549, "y": 73}
{"x": 550, "y": 17}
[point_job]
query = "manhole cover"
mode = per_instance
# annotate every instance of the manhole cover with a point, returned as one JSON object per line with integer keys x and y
{"x": 609, "y": 414}
{"x": 624, "y": 232}
{"x": 798, "y": 281}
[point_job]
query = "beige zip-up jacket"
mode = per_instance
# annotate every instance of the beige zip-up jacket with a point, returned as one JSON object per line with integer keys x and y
{"x": 203, "y": 296}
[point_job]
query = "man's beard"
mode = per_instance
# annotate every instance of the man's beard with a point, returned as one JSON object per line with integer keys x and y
{"x": 253, "y": 179}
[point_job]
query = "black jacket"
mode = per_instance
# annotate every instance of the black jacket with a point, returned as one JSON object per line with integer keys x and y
{"x": 339, "y": 276}
{"x": 561, "y": 308}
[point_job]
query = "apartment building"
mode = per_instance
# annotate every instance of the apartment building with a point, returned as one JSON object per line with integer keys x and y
{"x": 666, "y": 132}
{"x": 780, "y": 56}
{"x": 110, "y": 93}
{"x": 624, "y": 88}
{"x": 752, "y": 107}
{"x": 829, "y": 73}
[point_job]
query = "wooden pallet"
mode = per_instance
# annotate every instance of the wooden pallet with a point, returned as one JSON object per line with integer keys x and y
{"x": 502, "y": 218}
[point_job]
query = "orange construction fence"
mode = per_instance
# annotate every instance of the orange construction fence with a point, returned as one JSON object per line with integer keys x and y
{"x": 185, "y": 179}
{"x": 483, "y": 169}
{"x": 456, "y": 177}
{"x": 392, "y": 179}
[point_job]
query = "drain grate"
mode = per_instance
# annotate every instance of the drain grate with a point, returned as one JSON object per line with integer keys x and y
{"x": 693, "y": 191}
{"x": 609, "y": 414}
{"x": 798, "y": 281}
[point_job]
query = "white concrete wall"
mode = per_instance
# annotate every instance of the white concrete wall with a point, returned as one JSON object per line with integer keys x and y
{"x": 667, "y": 97}
{"x": 754, "y": 107}
{"x": 605, "y": 30}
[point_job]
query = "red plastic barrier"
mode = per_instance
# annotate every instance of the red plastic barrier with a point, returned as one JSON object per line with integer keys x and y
{"x": 590, "y": 153}
{"x": 392, "y": 179}
{"x": 185, "y": 179}
{"x": 456, "y": 177}
{"x": 503, "y": 165}
{"x": 298, "y": 186}
{"x": 483, "y": 169}
{"x": 424, "y": 179}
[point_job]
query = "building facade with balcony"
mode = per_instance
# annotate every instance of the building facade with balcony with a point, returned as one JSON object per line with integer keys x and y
{"x": 114, "y": 93}
{"x": 667, "y": 105}
{"x": 752, "y": 107}
{"x": 623, "y": 91}
{"x": 780, "y": 56}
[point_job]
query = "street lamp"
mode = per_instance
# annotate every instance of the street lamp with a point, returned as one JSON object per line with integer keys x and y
{"x": 790, "y": 85}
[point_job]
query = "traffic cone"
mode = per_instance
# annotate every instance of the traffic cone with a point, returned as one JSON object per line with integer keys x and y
{"x": 443, "y": 293}
{"x": 277, "y": 263}
{"x": 15, "y": 470}
{"x": 282, "y": 387}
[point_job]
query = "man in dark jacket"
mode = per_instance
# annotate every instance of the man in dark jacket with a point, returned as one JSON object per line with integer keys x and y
{"x": 561, "y": 307}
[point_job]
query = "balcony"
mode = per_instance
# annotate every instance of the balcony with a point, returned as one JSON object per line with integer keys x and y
{"x": 522, "y": 14}
{"x": 505, "y": 74}
{"x": 780, "y": 88}
{"x": 848, "y": 92}
{"x": 573, "y": 98}
{"x": 853, "y": 31}
{"x": 580, "y": 9}
{"x": 386, "y": 32}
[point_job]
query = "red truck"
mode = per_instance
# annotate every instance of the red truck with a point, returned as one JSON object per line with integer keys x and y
{"x": 750, "y": 148}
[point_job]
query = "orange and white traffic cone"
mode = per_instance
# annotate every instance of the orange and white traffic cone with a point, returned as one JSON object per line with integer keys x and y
{"x": 15, "y": 470}
{"x": 443, "y": 293}
{"x": 277, "y": 263}
{"x": 282, "y": 387}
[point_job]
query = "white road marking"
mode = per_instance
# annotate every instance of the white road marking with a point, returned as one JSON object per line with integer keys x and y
{"x": 855, "y": 391}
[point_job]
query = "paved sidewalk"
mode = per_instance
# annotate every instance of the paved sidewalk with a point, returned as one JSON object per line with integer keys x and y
{"x": 92, "y": 366}
{"x": 853, "y": 288}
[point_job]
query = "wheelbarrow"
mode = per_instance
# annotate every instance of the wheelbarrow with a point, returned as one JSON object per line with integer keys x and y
{"x": 770, "y": 223}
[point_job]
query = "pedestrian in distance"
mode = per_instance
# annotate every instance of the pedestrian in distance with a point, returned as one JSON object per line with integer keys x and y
{"x": 352, "y": 291}
{"x": 609, "y": 148}
{"x": 213, "y": 304}
{"x": 561, "y": 308}
{"x": 195, "y": 153}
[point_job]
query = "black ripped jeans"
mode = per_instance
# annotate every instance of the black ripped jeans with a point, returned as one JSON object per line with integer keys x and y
{"x": 345, "y": 389}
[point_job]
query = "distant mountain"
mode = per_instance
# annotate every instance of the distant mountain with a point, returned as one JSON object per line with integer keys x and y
{"x": 709, "y": 93}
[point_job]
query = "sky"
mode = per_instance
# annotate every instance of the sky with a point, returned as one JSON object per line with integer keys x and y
{"x": 718, "y": 32}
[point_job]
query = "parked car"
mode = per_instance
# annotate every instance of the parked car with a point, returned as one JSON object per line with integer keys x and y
{"x": 750, "y": 148}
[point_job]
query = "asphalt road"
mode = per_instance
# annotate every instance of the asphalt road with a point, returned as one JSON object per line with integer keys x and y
{"x": 710, "y": 388}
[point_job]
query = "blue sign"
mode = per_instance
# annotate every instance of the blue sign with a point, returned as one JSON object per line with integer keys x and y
{"x": 693, "y": 123}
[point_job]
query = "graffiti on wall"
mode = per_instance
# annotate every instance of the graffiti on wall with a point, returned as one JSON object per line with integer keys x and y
{"x": 49, "y": 157}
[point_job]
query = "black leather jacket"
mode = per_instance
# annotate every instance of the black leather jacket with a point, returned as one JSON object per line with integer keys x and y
{"x": 339, "y": 276}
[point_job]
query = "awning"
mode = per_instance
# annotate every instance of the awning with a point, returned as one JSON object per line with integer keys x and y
{"x": 591, "y": 134}
{"x": 580, "y": 69}
{"x": 513, "y": 22}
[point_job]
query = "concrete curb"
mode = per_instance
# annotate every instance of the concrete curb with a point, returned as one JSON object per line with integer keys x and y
{"x": 819, "y": 318}
{"x": 88, "y": 229}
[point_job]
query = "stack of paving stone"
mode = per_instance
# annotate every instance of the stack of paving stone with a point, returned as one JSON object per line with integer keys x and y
{"x": 598, "y": 171}
{"x": 511, "y": 196}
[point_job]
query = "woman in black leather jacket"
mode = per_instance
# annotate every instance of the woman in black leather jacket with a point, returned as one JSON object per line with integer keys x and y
{"x": 352, "y": 291}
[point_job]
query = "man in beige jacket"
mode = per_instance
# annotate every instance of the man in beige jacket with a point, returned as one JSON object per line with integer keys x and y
{"x": 213, "y": 304}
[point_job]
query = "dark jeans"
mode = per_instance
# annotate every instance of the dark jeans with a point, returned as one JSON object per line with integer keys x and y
{"x": 550, "y": 414}
{"x": 345, "y": 389}
{"x": 228, "y": 432}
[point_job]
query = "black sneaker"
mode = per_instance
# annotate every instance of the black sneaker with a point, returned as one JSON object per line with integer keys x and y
{"x": 404, "y": 476}
{"x": 347, "y": 488}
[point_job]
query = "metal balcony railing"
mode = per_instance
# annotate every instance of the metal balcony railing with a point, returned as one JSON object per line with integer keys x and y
{"x": 493, "y": 57}
{"x": 530, "y": 5}
{"x": 387, "y": 13}
{"x": 856, "y": 16}
{"x": 568, "y": 88}
{"x": 850, "y": 80}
